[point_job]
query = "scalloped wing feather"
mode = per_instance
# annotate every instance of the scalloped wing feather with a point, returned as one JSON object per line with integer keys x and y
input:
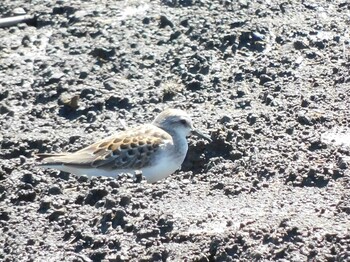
{"x": 132, "y": 149}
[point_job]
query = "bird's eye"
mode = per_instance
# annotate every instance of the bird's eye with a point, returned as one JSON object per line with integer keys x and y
{"x": 183, "y": 122}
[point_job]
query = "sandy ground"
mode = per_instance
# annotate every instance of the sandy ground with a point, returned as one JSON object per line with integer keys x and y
{"x": 267, "y": 80}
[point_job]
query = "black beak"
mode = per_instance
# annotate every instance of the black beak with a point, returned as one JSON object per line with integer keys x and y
{"x": 200, "y": 134}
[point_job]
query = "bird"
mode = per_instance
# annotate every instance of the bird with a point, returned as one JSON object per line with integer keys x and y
{"x": 156, "y": 149}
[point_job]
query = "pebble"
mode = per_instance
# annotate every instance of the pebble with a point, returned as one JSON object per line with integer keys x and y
{"x": 19, "y": 11}
{"x": 95, "y": 195}
{"x": 164, "y": 22}
{"x": 26, "y": 195}
{"x": 55, "y": 215}
{"x": 279, "y": 85}
{"x": 299, "y": 45}
{"x": 344, "y": 163}
{"x": 55, "y": 190}
{"x": 5, "y": 109}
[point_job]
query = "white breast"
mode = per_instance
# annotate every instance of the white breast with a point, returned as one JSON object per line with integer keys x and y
{"x": 165, "y": 167}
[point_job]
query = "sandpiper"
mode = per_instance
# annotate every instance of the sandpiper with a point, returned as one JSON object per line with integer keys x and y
{"x": 157, "y": 150}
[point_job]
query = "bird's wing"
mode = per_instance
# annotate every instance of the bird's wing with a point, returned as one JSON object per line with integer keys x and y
{"x": 132, "y": 149}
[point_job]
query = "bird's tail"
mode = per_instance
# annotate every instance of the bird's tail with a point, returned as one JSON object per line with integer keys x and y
{"x": 47, "y": 158}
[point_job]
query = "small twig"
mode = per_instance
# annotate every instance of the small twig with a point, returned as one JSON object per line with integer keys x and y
{"x": 123, "y": 124}
{"x": 14, "y": 20}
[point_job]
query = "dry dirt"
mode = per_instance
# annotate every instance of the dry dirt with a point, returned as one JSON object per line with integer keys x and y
{"x": 267, "y": 80}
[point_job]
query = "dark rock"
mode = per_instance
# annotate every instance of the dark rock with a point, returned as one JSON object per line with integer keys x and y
{"x": 305, "y": 103}
{"x": 86, "y": 92}
{"x": 4, "y": 109}
{"x": 95, "y": 195}
{"x": 264, "y": 79}
{"x": 138, "y": 177}
{"x": 252, "y": 118}
{"x": 146, "y": 20}
{"x": 290, "y": 130}
{"x": 83, "y": 74}
{"x": 235, "y": 155}
{"x": 83, "y": 179}
{"x": 45, "y": 204}
{"x": 55, "y": 215}
{"x": 125, "y": 200}
{"x": 343, "y": 163}
{"x": 109, "y": 85}
{"x": 98, "y": 255}
{"x": 110, "y": 203}
{"x": 298, "y": 45}
{"x": 304, "y": 119}
{"x": 4, "y": 216}
{"x": 225, "y": 119}
{"x": 103, "y": 53}
{"x": 117, "y": 102}
{"x": 178, "y": 3}
{"x": 118, "y": 219}
{"x": 91, "y": 116}
{"x": 164, "y": 22}
{"x": 79, "y": 200}
{"x": 26, "y": 195}
{"x": 194, "y": 85}
{"x": 269, "y": 99}
{"x": 28, "y": 178}
{"x": 241, "y": 93}
{"x": 237, "y": 24}
{"x": 55, "y": 190}
{"x": 248, "y": 134}
{"x": 165, "y": 226}
{"x": 174, "y": 35}
{"x": 4, "y": 94}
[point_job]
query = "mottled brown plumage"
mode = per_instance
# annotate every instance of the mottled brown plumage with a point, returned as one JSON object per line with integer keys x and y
{"x": 156, "y": 149}
{"x": 130, "y": 149}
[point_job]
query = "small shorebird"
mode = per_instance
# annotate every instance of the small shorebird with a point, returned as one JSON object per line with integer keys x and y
{"x": 157, "y": 150}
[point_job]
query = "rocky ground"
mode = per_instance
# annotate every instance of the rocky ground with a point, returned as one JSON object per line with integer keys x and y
{"x": 267, "y": 80}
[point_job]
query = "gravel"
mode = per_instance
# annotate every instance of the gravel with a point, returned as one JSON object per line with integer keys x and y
{"x": 268, "y": 81}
